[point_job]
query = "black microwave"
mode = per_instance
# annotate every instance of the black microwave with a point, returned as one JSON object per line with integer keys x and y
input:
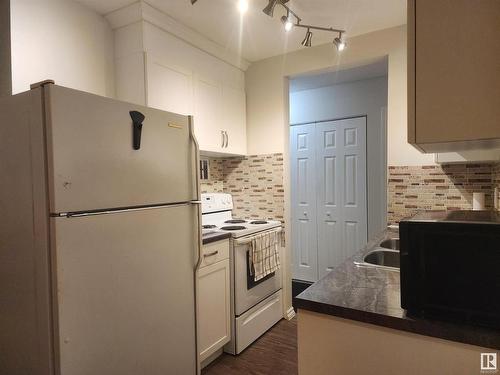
{"x": 450, "y": 266}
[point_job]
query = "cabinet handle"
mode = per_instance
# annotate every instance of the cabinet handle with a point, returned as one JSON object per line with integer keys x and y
{"x": 211, "y": 254}
{"x": 227, "y": 138}
{"x": 223, "y": 138}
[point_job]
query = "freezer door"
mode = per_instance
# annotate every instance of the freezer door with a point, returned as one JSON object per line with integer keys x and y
{"x": 92, "y": 161}
{"x": 125, "y": 292}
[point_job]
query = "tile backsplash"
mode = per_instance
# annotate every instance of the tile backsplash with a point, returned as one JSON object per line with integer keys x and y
{"x": 496, "y": 180}
{"x": 255, "y": 182}
{"x": 437, "y": 187}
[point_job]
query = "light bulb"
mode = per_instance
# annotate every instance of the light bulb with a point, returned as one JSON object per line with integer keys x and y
{"x": 339, "y": 43}
{"x": 287, "y": 23}
{"x": 242, "y": 6}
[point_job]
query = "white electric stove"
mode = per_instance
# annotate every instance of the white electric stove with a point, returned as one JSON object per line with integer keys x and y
{"x": 217, "y": 216}
{"x": 255, "y": 305}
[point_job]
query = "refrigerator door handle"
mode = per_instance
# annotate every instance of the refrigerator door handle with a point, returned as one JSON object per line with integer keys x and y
{"x": 197, "y": 200}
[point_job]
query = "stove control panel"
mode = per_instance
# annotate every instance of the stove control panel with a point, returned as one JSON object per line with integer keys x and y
{"x": 215, "y": 202}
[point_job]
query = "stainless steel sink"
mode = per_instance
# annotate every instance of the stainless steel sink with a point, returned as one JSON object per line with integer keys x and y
{"x": 383, "y": 258}
{"x": 390, "y": 243}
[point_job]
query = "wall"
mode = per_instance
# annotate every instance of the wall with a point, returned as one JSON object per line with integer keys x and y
{"x": 255, "y": 182}
{"x": 366, "y": 97}
{"x": 438, "y": 187}
{"x": 267, "y": 88}
{"x": 64, "y": 41}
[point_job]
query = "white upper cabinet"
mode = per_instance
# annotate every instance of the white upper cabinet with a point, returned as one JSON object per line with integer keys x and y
{"x": 181, "y": 78}
{"x": 169, "y": 87}
{"x": 219, "y": 108}
{"x": 207, "y": 112}
{"x": 234, "y": 119}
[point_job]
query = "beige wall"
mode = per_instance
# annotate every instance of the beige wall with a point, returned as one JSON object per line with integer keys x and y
{"x": 64, "y": 41}
{"x": 267, "y": 91}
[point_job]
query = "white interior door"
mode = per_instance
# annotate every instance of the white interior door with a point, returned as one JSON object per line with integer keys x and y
{"x": 92, "y": 162}
{"x": 303, "y": 189}
{"x": 341, "y": 190}
{"x": 125, "y": 292}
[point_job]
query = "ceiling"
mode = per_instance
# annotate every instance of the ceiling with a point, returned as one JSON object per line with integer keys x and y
{"x": 308, "y": 82}
{"x": 256, "y": 36}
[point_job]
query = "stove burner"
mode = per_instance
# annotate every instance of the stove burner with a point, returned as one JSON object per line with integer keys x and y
{"x": 209, "y": 226}
{"x": 233, "y": 227}
{"x": 235, "y": 221}
{"x": 259, "y": 222}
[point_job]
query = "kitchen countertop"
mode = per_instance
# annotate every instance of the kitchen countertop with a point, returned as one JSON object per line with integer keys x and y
{"x": 372, "y": 295}
{"x": 214, "y": 237}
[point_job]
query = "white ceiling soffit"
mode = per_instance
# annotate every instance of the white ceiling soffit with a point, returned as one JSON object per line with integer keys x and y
{"x": 143, "y": 11}
{"x": 256, "y": 36}
{"x": 325, "y": 79}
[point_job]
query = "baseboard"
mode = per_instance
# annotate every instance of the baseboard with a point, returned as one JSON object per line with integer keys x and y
{"x": 290, "y": 313}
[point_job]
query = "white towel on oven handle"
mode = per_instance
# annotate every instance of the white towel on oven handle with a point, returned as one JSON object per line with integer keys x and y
{"x": 264, "y": 257}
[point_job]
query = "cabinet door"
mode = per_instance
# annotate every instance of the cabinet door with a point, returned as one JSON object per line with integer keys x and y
{"x": 234, "y": 119}
{"x": 454, "y": 73}
{"x": 169, "y": 88}
{"x": 208, "y": 127}
{"x": 303, "y": 189}
{"x": 214, "y": 321}
{"x": 341, "y": 190}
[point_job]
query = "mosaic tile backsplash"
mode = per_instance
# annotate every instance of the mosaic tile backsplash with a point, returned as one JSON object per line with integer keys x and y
{"x": 255, "y": 182}
{"x": 437, "y": 187}
{"x": 496, "y": 180}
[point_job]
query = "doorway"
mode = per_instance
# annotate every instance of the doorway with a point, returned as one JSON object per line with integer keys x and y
{"x": 338, "y": 166}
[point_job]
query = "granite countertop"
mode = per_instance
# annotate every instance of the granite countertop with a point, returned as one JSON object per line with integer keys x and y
{"x": 214, "y": 237}
{"x": 372, "y": 295}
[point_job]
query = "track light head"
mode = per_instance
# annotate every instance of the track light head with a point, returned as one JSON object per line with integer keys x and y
{"x": 340, "y": 43}
{"x": 193, "y": 1}
{"x": 269, "y": 9}
{"x": 307, "y": 40}
{"x": 287, "y": 22}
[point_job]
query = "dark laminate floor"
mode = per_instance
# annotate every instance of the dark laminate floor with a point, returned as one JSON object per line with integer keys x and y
{"x": 273, "y": 354}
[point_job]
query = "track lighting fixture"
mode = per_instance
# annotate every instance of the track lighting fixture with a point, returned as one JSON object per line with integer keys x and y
{"x": 339, "y": 42}
{"x": 292, "y": 20}
{"x": 193, "y": 1}
{"x": 307, "y": 40}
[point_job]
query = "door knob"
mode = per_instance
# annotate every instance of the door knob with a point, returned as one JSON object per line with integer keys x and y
{"x": 328, "y": 214}
{"x": 305, "y": 213}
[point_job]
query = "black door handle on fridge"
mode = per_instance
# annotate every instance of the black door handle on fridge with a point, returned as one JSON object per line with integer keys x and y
{"x": 137, "y": 119}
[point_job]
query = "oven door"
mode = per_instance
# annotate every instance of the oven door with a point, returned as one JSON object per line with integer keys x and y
{"x": 247, "y": 292}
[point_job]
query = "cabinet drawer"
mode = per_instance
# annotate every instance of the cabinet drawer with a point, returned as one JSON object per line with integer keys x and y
{"x": 214, "y": 252}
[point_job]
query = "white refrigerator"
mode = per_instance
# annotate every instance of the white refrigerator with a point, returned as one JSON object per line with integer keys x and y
{"x": 100, "y": 236}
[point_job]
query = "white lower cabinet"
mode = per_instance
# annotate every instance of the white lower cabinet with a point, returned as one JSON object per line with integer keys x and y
{"x": 214, "y": 298}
